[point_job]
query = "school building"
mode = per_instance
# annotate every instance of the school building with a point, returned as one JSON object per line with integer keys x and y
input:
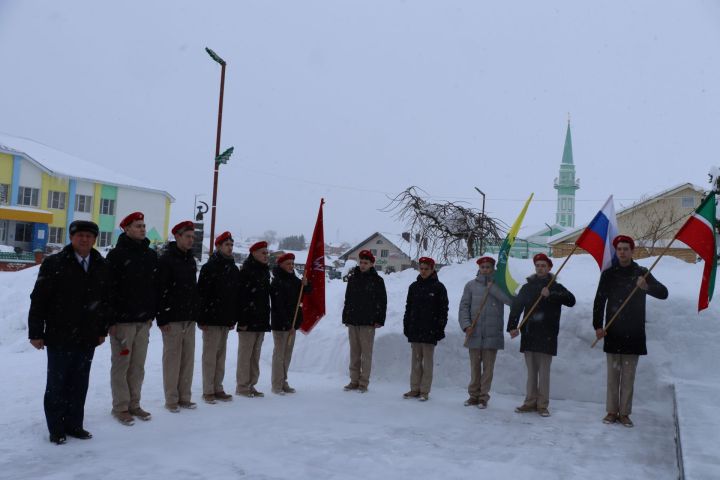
{"x": 42, "y": 190}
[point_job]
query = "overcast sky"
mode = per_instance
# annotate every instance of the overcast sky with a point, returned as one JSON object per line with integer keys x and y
{"x": 357, "y": 100}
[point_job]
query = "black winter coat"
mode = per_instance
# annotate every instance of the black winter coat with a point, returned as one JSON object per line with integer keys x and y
{"x": 540, "y": 332}
{"x": 627, "y": 333}
{"x": 365, "y": 299}
{"x": 179, "y": 298}
{"x": 71, "y": 308}
{"x": 284, "y": 291}
{"x": 135, "y": 280}
{"x": 218, "y": 288}
{"x": 426, "y": 311}
{"x": 254, "y": 296}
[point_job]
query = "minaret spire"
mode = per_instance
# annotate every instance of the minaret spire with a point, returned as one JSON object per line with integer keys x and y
{"x": 566, "y": 184}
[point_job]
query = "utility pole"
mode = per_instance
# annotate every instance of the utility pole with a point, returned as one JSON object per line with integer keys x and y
{"x": 218, "y": 157}
{"x": 482, "y": 222}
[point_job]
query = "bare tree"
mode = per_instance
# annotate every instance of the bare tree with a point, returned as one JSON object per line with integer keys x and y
{"x": 655, "y": 223}
{"x": 450, "y": 229}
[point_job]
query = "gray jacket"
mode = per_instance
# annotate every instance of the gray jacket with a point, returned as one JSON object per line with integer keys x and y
{"x": 489, "y": 331}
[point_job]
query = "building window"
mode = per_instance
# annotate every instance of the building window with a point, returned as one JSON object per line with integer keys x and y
{"x": 56, "y": 200}
{"x": 23, "y": 232}
{"x": 378, "y": 268}
{"x": 374, "y": 252}
{"x": 384, "y": 253}
{"x": 29, "y": 197}
{"x": 105, "y": 239}
{"x": 688, "y": 202}
{"x": 3, "y": 231}
{"x": 379, "y": 242}
{"x": 4, "y": 194}
{"x": 107, "y": 207}
{"x": 83, "y": 203}
{"x": 56, "y": 235}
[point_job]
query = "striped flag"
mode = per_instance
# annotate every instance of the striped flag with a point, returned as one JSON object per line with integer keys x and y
{"x": 597, "y": 238}
{"x": 698, "y": 233}
{"x": 502, "y": 277}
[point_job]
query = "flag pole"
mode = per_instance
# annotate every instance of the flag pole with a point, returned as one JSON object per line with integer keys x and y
{"x": 477, "y": 317}
{"x": 617, "y": 312}
{"x": 552, "y": 280}
{"x": 299, "y": 300}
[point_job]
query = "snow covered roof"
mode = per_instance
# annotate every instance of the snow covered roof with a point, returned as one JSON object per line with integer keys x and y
{"x": 393, "y": 239}
{"x": 61, "y": 164}
{"x": 558, "y": 238}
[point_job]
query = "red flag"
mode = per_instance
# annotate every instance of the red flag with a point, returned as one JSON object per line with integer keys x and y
{"x": 313, "y": 305}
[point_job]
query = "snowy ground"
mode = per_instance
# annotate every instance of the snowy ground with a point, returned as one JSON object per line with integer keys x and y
{"x": 323, "y": 432}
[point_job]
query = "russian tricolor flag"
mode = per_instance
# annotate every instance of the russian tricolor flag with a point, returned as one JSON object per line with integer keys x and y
{"x": 597, "y": 238}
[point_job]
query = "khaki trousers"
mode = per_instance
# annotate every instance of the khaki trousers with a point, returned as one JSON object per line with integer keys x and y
{"x": 127, "y": 371}
{"x": 421, "y": 370}
{"x": 282, "y": 353}
{"x": 362, "y": 338}
{"x": 482, "y": 364}
{"x": 620, "y": 382}
{"x": 213, "y": 358}
{"x": 248, "y": 361}
{"x": 538, "y": 379}
{"x": 178, "y": 361}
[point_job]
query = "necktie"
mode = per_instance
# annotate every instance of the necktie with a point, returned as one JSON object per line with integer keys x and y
{"x": 84, "y": 264}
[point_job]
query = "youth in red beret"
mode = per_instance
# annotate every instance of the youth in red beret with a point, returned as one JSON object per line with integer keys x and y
{"x": 541, "y": 257}
{"x": 183, "y": 227}
{"x": 131, "y": 218}
{"x": 624, "y": 239}
{"x": 258, "y": 246}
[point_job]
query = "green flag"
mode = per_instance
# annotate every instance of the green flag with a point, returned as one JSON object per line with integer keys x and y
{"x": 502, "y": 278}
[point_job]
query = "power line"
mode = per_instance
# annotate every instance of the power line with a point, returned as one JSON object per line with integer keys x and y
{"x": 432, "y": 197}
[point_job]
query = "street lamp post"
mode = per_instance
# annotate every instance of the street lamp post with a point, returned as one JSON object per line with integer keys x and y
{"x": 218, "y": 157}
{"x": 482, "y": 221}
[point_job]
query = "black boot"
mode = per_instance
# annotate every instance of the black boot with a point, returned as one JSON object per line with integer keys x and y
{"x": 80, "y": 433}
{"x": 58, "y": 439}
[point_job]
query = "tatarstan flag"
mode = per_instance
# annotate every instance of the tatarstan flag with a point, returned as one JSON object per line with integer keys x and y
{"x": 502, "y": 277}
{"x": 698, "y": 233}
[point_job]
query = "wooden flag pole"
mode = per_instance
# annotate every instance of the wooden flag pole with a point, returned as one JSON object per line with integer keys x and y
{"x": 477, "y": 317}
{"x": 617, "y": 312}
{"x": 299, "y": 301}
{"x": 552, "y": 280}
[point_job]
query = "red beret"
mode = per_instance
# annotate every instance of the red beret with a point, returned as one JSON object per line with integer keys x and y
{"x": 183, "y": 227}
{"x": 482, "y": 260}
{"x": 131, "y": 218}
{"x": 541, "y": 257}
{"x": 285, "y": 256}
{"x": 222, "y": 237}
{"x": 427, "y": 260}
{"x": 625, "y": 239}
{"x": 258, "y": 246}
{"x": 366, "y": 255}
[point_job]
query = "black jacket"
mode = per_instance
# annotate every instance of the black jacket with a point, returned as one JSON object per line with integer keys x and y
{"x": 218, "y": 288}
{"x": 540, "y": 332}
{"x": 426, "y": 311}
{"x": 135, "y": 280}
{"x": 365, "y": 299}
{"x": 71, "y": 308}
{"x": 179, "y": 299}
{"x": 254, "y": 296}
{"x": 627, "y": 333}
{"x": 284, "y": 291}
